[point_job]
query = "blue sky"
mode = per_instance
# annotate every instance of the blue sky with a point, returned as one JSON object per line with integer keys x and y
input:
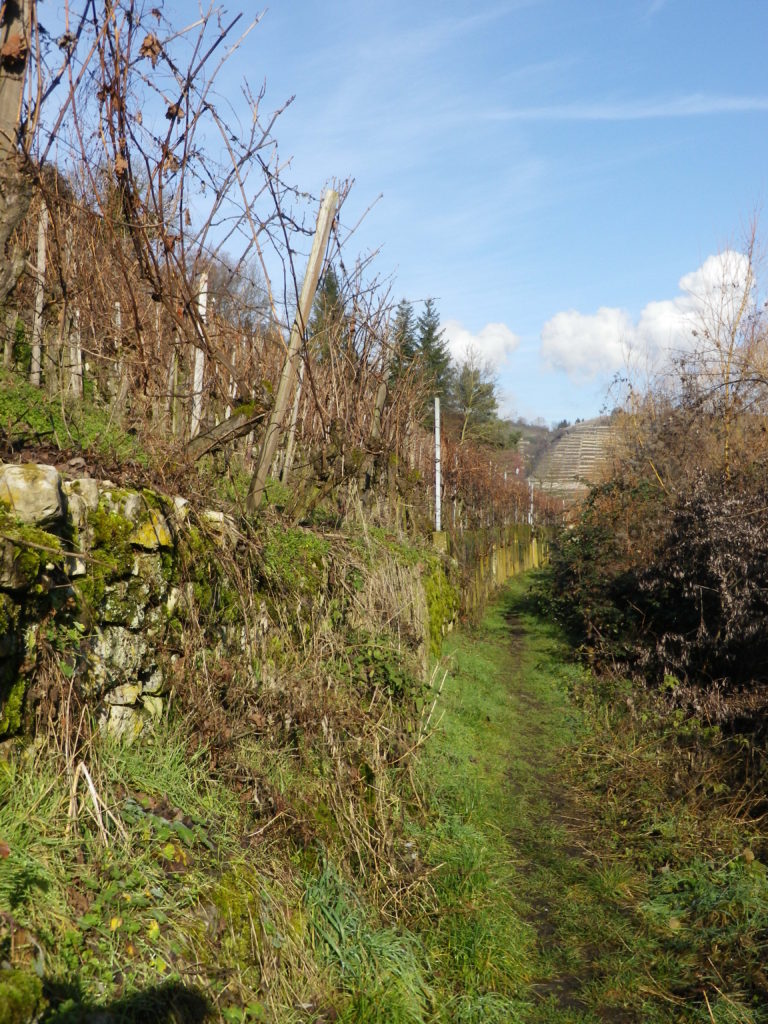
{"x": 555, "y": 173}
{"x": 535, "y": 158}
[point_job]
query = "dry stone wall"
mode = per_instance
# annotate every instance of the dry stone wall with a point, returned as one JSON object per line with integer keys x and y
{"x": 107, "y": 590}
{"x": 488, "y": 558}
{"x": 87, "y": 574}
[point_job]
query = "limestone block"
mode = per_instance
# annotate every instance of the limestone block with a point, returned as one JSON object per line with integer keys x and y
{"x": 180, "y": 509}
{"x": 155, "y": 621}
{"x": 123, "y": 723}
{"x": 148, "y": 567}
{"x": 126, "y": 694}
{"x": 32, "y": 492}
{"x": 154, "y": 706}
{"x": 154, "y": 685}
{"x": 76, "y": 567}
{"x": 153, "y": 533}
{"x": 84, "y": 488}
{"x": 221, "y": 524}
{"x": 117, "y": 656}
{"x": 132, "y": 506}
{"x": 78, "y": 511}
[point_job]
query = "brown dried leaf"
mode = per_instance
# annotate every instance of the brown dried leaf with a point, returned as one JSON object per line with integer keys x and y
{"x": 151, "y": 48}
{"x": 121, "y": 165}
{"x": 5, "y": 850}
{"x": 173, "y": 111}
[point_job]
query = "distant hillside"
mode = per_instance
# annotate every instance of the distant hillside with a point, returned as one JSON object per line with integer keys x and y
{"x": 574, "y": 459}
{"x": 534, "y": 439}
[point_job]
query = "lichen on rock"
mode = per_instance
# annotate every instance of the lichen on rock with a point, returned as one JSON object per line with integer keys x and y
{"x": 32, "y": 492}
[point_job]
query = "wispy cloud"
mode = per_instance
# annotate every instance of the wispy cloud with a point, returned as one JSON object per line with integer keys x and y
{"x": 409, "y": 42}
{"x": 695, "y": 105}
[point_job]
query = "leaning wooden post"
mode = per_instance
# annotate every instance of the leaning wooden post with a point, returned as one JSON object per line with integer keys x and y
{"x": 290, "y": 447}
{"x": 35, "y": 369}
{"x": 286, "y": 385}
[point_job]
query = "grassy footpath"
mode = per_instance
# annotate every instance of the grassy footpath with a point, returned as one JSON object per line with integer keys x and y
{"x": 558, "y": 854}
{"x": 587, "y": 872}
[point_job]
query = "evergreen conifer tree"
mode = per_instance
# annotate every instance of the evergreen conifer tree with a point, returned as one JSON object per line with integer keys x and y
{"x": 433, "y": 350}
{"x": 403, "y": 333}
{"x": 473, "y": 397}
{"x": 327, "y": 320}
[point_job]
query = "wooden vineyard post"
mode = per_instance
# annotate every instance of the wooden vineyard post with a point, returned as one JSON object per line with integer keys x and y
{"x": 290, "y": 447}
{"x": 199, "y": 362}
{"x": 35, "y": 370}
{"x": 293, "y": 355}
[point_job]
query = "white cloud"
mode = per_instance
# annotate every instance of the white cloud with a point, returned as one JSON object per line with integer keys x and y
{"x": 494, "y": 343}
{"x": 586, "y": 346}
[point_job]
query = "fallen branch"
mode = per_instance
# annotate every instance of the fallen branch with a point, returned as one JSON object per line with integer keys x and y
{"x": 239, "y": 425}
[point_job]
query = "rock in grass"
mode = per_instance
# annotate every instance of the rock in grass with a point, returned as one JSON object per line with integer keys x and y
{"x": 21, "y": 996}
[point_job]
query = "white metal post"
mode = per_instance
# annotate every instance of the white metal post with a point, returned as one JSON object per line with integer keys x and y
{"x": 530, "y": 509}
{"x": 199, "y": 363}
{"x": 438, "y": 467}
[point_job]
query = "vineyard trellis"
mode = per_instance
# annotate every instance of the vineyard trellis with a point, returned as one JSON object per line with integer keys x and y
{"x": 166, "y": 271}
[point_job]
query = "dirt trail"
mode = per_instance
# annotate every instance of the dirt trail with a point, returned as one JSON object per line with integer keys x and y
{"x": 551, "y": 844}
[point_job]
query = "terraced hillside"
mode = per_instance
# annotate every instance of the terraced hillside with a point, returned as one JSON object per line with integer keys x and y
{"x": 575, "y": 459}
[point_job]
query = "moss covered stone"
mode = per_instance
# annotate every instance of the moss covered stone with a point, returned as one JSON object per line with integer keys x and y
{"x": 9, "y": 617}
{"x": 21, "y": 996}
{"x": 24, "y": 551}
{"x": 110, "y": 535}
{"x": 152, "y": 533}
{"x": 296, "y": 560}
{"x": 11, "y": 707}
{"x": 442, "y": 606}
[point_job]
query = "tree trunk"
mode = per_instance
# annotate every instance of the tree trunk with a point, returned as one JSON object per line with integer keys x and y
{"x": 15, "y": 182}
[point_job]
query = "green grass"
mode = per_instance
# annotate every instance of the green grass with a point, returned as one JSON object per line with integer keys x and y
{"x": 576, "y": 878}
{"x": 554, "y": 853}
{"x": 28, "y": 416}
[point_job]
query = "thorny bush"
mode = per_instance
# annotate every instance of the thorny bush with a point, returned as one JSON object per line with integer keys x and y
{"x": 676, "y": 592}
